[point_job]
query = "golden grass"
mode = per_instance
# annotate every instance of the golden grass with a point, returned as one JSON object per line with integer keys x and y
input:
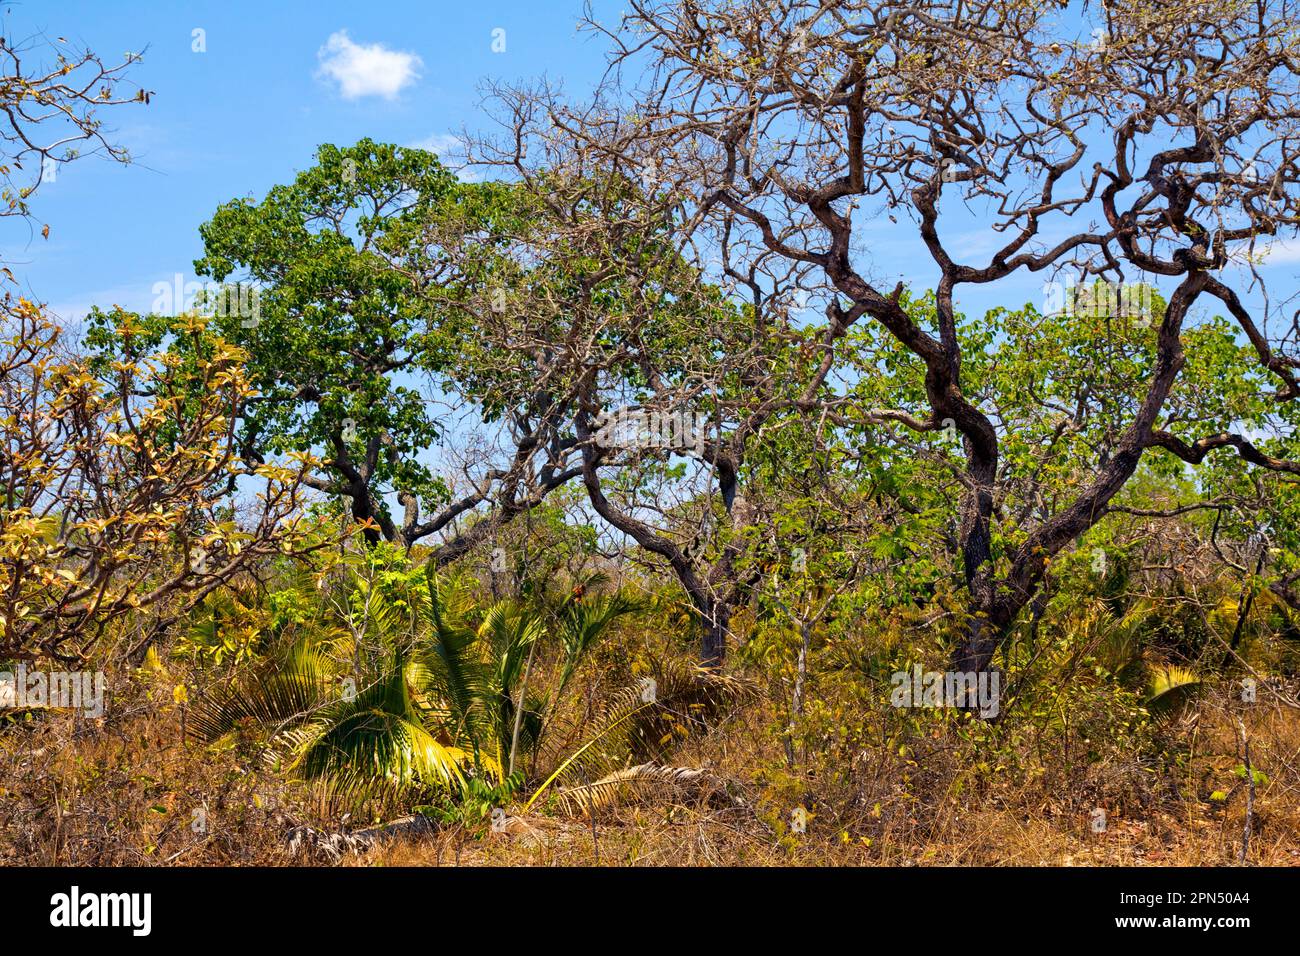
{"x": 125, "y": 792}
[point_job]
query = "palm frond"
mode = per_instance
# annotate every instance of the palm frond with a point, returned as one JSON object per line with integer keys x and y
{"x": 634, "y": 727}
{"x": 455, "y": 675}
{"x": 510, "y": 634}
{"x": 583, "y": 623}
{"x": 376, "y": 743}
{"x": 281, "y": 693}
{"x": 637, "y": 782}
{"x": 1170, "y": 685}
{"x": 689, "y": 698}
{"x": 607, "y": 746}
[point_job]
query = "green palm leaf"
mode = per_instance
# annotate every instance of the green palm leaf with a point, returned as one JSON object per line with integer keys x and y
{"x": 582, "y": 625}
{"x": 453, "y": 675}
{"x": 511, "y": 635}
{"x": 284, "y": 692}
{"x": 1170, "y": 685}
{"x": 377, "y": 743}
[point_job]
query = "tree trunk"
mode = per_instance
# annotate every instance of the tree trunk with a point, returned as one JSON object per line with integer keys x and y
{"x": 796, "y": 701}
{"x": 986, "y": 627}
{"x": 716, "y": 616}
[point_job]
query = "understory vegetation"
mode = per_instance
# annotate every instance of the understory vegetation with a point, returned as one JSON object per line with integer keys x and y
{"x": 291, "y": 718}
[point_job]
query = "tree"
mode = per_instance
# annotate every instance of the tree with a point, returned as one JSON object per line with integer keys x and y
{"x": 50, "y": 115}
{"x": 116, "y": 503}
{"x": 108, "y": 479}
{"x": 360, "y": 288}
{"x": 338, "y": 321}
{"x": 674, "y": 376}
{"x": 1158, "y": 151}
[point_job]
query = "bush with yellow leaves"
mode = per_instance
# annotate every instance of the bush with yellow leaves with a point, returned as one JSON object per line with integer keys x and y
{"x": 118, "y": 488}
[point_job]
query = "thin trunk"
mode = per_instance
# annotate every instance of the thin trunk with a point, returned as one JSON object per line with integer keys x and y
{"x": 716, "y": 616}
{"x": 519, "y": 709}
{"x": 796, "y": 702}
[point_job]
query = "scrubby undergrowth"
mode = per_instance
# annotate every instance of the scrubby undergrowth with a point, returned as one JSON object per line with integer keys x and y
{"x": 881, "y": 789}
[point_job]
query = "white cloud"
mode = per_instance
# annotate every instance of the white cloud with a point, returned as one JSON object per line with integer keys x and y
{"x": 443, "y": 144}
{"x": 450, "y": 150}
{"x": 366, "y": 70}
{"x": 1268, "y": 251}
{"x": 71, "y": 311}
{"x": 1282, "y": 252}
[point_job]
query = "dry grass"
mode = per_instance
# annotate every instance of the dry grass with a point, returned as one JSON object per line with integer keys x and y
{"x": 124, "y": 791}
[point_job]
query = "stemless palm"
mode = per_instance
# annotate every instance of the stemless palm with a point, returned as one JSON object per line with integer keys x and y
{"x": 421, "y": 700}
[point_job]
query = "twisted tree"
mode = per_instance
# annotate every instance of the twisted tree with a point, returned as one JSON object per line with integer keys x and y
{"x": 1127, "y": 143}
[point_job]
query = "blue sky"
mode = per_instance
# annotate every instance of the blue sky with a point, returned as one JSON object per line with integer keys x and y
{"x": 277, "y": 79}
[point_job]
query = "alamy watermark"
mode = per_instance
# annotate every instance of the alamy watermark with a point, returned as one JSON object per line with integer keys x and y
{"x": 1100, "y": 299}
{"x": 964, "y": 689}
{"x": 675, "y": 430}
{"x": 208, "y": 299}
{"x": 75, "y": 908}
{"x": 76, "y": 690}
